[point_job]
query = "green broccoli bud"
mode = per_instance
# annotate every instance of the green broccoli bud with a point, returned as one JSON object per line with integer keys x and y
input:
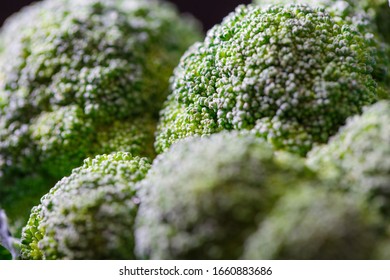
{"x": 90, "y": 214}
{"x": 313, "y": 224}
{"x": 377, "y": 12}
{"x": 204, "y": 196}
{"x": 76, "y": 77}
{"x": 66, "y": 130}
{"x": 292, "y": 74}
{"x": 358, "y": 156}
{"x": 70, "y": 131}
{"x": 370, "y": 17}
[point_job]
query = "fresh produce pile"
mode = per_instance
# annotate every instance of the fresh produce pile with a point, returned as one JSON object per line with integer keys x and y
{"x": 267, "y": 139}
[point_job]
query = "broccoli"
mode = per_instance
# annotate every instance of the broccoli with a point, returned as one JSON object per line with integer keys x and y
{"x": 358, "y": 156}
{"x": 204, "y": 196}
{"x": 90, "y": 214}
{"x": 369, "y": 17}
{"x": 311, "y": 223}
{"x": 291, "y": 74}
{"x": 81, "y": 78}
{"x": 377, "y": 12}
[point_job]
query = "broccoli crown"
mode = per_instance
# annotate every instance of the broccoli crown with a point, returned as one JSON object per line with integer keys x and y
{"x": 311, "y": 223}
{"x": 90, "y": 214}
{"x": 80, "y": 78}
{"x": 291, "y": 73}
{"x": 205, "y": 196}
{"x": 358, "y": 156}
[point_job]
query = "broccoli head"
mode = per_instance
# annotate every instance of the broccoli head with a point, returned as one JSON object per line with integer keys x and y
{"x": 292, "y": 74}
{"x": 81, "y": 78}
{"x": 204, "y": 196}
{"x": 313, "y": 224}
{"x": 358, "y": 156}
{"x": 90, "y": 214}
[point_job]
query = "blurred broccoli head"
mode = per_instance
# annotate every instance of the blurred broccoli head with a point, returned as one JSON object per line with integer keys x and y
{"x": 112, "y": 58}
{"x": 359, "y": 155}
{"x": 313, "y": 224}
{"x": 205, "y": 196}
{"x": 80, "y": 78}
{"x": 292, "y": 74}
{"x": 90, "y": 214}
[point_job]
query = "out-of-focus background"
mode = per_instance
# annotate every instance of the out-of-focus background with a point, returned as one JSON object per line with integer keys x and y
{"x": 209, "y": 12}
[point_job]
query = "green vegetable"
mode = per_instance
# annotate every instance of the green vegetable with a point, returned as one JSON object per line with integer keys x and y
{"x": 358, "y": 156}
{"x": 377, "y": 12}
{"x": 370, "y": 17}
{"x": 80, "y": 78}
{"x": 90, "y": 214}
{"x": 292, "y": 74}
{"x": 205, "y": 196}
{"x": 313, "y": 224}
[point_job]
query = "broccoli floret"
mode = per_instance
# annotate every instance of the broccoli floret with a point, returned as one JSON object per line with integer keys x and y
{"x": 292, "y": 74}
{"x": 81, "y": 78}
{"x": 358, "y": 156}
{"x": 313, "y": 224}
{"x": 71, "y": 131}
{"x": 90, "y": 214}
{"x": 369, "y": 17}
{"x": 377, "y": 12}
{"x": 204, "y": 196}
{"x": 7, "y": 242}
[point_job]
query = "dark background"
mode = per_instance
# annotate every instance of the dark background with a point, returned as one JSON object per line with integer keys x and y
{"x": 209, "y": 12}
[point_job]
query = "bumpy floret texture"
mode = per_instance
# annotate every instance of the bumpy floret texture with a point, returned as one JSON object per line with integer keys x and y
{"x": 205, "y": 196}
{"x": 359, "y": 155}
{"x": 68, "y": 130}
{"x": 313, "y": 224}
{"x": 369, "y": 17}
{"x": 292, "y": 74}
{"x": 90, "y": 214}
{"x": 80, "y": 78}
{"x": 375, "y": 11}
